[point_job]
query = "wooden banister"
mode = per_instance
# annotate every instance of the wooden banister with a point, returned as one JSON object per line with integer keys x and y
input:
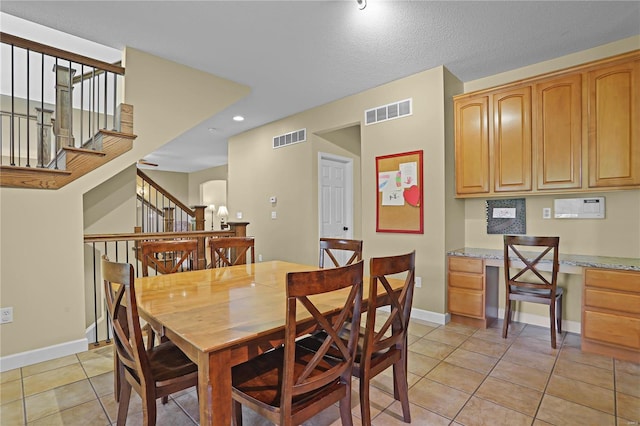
{"x": 59, "y": 53}
{"x": 166, "y": 193}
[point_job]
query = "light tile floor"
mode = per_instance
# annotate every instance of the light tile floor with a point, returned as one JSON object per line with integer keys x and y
{"x": 457, "y": 376}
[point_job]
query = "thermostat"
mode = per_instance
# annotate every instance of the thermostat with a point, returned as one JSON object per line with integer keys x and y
{"x": 579, "y": 208}
{"x": 273, "y": 199}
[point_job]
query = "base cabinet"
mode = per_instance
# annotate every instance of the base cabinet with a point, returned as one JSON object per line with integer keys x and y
{"x": 611, "y": 313}
{"x": 468, "y": 300}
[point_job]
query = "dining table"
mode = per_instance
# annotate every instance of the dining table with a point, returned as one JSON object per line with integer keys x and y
{"x": 222, "y": 317}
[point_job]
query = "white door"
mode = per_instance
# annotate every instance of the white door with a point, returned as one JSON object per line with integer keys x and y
{"x": 335, "y": 178}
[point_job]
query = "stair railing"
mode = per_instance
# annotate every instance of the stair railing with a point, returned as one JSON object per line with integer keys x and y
{"x": 55, "y": 99}
{"x": 123, "y": 248}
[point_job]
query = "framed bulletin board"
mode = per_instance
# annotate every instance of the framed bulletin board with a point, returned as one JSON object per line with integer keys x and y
{"x": 399, "y": 205}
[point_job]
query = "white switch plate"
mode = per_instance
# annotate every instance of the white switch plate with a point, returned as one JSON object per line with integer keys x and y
{"x": 274, "y": 215}
{"x": 6, "y": 315}
{"x": 418, "y": 282}
{"x": 546, "y": 213}
{"x": 238, "y": 215}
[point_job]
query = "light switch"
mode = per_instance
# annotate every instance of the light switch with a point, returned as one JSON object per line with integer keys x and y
{"x": 274, "y": 215}
{"x": 238, "y": 215}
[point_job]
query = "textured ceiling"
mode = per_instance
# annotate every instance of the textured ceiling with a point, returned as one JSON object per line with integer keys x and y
{"x": 296, "y": 55}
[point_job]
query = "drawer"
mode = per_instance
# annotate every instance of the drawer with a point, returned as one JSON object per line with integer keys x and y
{"x": 466, "y": 264}
{"x": 614, "y": 329}
{"x": 466, "y": 302}
{"x": 612, "y": 279}
{"x": 623, "y": 302}
{"x": 464, "y": 280}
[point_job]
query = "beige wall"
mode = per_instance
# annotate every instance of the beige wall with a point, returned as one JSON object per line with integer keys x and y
{"x": 41, "y": 232}
{"x": 616, "y": 235}
{"x": 198, "y": 178}
{"x": 256, "y": 171}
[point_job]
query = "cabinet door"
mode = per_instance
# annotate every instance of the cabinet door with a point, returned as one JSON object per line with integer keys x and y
{"x": 472, "y": 145}
{"x": 512, "y": 140}
{"x": 558, "y": 132}
{"x": 614, "y": 117}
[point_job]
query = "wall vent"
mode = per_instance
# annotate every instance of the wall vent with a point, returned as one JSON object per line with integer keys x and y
{"x": 290, "y": 138}
{"x": 388, "y": 112}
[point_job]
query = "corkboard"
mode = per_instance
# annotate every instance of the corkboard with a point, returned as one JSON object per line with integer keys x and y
{"x": 399, "y": 192}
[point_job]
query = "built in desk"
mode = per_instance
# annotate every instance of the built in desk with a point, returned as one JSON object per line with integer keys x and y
{"x": 610, "y": 323}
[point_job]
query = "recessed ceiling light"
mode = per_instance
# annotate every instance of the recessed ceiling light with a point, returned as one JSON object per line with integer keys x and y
{"x": 238, "y": 118}
{"x": 361, "y": 4}
{"x": 212, "y": 130}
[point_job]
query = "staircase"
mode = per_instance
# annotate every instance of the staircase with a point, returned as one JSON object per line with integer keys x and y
{"x": 72, "y": 163}
{"x": 68, "y": 98}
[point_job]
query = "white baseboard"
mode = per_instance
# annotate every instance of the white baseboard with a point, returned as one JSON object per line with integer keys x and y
{"x": 423, "y": 315}
{"x": 542, "y": 321}
{"x": 48, "y": 353}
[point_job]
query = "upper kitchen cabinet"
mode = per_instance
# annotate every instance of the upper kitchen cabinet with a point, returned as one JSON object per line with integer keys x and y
{"x": 512, "y": 140}
{"x": 574, "y": 130}
{"x": 614, "y": 117}
{"x": 472, "y": 145}
{"x": 558, "y": 132}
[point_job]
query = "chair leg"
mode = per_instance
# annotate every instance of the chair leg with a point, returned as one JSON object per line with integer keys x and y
{"x": 149, "y": 412}
{"x": 401, "y": 384}
{"x": 123, "y": 405}
{"x": 507, "y": 318}
{"x": 559, "y": 313}
{"x": 552, "y": 315}
{"x": 365, "y": 408}
{"x": 236, "y": 413}
{"x": 345, "y": 409}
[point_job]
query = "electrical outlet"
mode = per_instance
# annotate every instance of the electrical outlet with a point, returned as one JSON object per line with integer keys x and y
{"x": 259, "y": 258}
{"x": 6, "y": 315}
{"x": 546, "y": 213}
{"x": 418, "y": 282}
{"x": 238, "y": 215}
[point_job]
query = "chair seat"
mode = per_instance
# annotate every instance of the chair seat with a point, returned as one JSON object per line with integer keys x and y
{"x": 314, "y": 341}
{"x": 168, "y": 362}
{"x": 260, "y": 379}
{"x": 535, "y": 291}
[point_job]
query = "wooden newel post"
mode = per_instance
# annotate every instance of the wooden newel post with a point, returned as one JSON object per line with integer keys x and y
{"x": 202, "y": 255}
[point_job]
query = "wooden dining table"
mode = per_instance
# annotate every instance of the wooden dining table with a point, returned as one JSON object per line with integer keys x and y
{"x": 222, "y": 317}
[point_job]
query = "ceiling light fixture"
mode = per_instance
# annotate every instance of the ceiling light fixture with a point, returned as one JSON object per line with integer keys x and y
{"x": 361, "y": 4}
{"x": 238, "y": 118}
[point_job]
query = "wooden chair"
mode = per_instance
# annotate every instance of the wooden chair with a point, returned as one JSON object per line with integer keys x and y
{"x": 290, "y": 383}
{"x": 386, "y": 347}
{"x": 229, "y": 251}
{"x": 153, "y": 373}
{"x": 329, "y": 246}
{"x": 168, "y": 256}
{"x": 529, "y": 289}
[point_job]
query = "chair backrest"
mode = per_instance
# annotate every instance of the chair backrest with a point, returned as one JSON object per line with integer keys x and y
{"x": 300, "y": 285}
{"x": 330, "y": 246}
{"x": 168, "y": 256}
{"x": 515, "y": 273}
{"x": 229, "y": 251}
{"x": 380, "y": 268}
{"x": 123, "y": 312}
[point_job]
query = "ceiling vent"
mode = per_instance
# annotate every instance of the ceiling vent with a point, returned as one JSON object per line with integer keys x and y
{"x": 388, "y": 112}
{"x": 290, "y": 138}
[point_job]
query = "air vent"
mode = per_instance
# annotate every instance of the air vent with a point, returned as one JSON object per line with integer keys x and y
{"x": 388, "y": 112}
{"x": 290, "y": 138}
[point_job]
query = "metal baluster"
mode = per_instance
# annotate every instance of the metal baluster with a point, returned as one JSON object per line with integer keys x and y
{"x": 115, "y": 94}
{"x": 95, "y": 296}
{"x": 28, "y": 109}
{"x": 70, "y": 137}
{"x": 82, "y": 102}
{"x": 105, "y": 100}
{"x": 11, "y": 124}
{"x": 42, "y": 109}
{"x": 55, "y": 77}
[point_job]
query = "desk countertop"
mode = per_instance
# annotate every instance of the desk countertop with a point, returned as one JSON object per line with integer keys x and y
{"x": 622, "y": 263}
